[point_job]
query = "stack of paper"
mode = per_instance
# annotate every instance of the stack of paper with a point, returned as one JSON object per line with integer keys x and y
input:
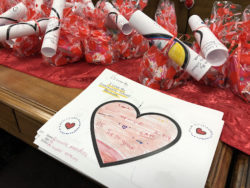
{"x": 123, "y": 134}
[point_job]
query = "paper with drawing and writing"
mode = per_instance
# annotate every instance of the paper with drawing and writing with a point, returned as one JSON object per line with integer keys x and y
{"x": 119, "y": 129}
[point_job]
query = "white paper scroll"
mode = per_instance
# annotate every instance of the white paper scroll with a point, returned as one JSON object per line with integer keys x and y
{"x": 21, "y": 29}
{"x": 212, "y": 49}
{"x": 50, "y": 42}
{"x": 13, "y": 14}
{"x": 117, "y": 19}
{"x": 180, "y": 53}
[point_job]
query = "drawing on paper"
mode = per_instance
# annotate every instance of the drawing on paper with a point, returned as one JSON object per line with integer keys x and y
{"x": 120, "y": 134}
{"x": 69, "y": 125}
{"x": 200, "y": 131}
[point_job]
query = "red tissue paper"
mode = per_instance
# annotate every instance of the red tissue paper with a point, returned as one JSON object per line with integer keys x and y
{"x": 232, "y": 29}
{"x": 157, "y": 70}
{"x": 112, "y": 44}
{"x": 28, "y": 45}
{"x": 97, "y": 43}
{"x": 70, "y": 47}
{"x": 83, "y": 33}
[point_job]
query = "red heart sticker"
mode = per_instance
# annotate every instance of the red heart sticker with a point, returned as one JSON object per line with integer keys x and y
{"x": 121, "y": 134}
{"x": 200, "y": 131}
{"x": 69, "y": 125}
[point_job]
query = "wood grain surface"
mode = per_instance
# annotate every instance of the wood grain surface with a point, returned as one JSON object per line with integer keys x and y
{"x": 35, "y": 97}
{"x": 241, "y": 171}
{"x": 220, "y": 167}
{"x": 28, "y": 126}
{"x": 7, "y": 118}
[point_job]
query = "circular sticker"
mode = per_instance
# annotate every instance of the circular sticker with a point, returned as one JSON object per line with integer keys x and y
{"x": 200, "y": 131}
{"x": 69, "y": 125}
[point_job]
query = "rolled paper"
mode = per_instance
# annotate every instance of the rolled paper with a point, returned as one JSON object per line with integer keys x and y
{"x": 180, "y": 53}
{"x": 212, "y": 49}
{"x": 50, "y": 41}
{"x": 13, "y": 14}
{"x": 22, "y": 29}
{"x": 117, "y": 19}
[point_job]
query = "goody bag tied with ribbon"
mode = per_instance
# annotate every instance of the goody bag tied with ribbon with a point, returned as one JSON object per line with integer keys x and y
{"x": 76, "y": 30}
{"x": 69, "y": 31}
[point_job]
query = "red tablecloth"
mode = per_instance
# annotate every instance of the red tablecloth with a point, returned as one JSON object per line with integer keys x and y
{"x": 236, "y": 131}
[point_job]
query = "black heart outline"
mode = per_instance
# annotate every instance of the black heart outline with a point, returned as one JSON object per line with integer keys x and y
{"x": 101, "y": 164}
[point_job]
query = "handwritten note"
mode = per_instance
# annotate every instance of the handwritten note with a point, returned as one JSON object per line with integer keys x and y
{"x": 60, "y": 146}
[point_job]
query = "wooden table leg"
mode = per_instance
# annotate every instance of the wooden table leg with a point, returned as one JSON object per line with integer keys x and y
{"x": 220, "y": 167}
{"x": 241, "y": 171}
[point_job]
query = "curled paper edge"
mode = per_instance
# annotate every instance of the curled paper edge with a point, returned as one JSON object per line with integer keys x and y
{"x": 123, "y": 26}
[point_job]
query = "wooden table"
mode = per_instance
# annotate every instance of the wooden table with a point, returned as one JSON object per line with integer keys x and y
{"x": 26, "y": 103}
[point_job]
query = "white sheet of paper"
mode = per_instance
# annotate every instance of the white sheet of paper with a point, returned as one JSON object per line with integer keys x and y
{"x": 68, "y": 136}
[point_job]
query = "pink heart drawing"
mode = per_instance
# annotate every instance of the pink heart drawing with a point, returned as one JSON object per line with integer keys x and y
{"x": 120, "y": 134}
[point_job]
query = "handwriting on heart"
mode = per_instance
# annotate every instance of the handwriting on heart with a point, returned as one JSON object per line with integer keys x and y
{"x": 200, "y": 131}
{"x": 120, "y": 134}
{"x": 69, "y": 125}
